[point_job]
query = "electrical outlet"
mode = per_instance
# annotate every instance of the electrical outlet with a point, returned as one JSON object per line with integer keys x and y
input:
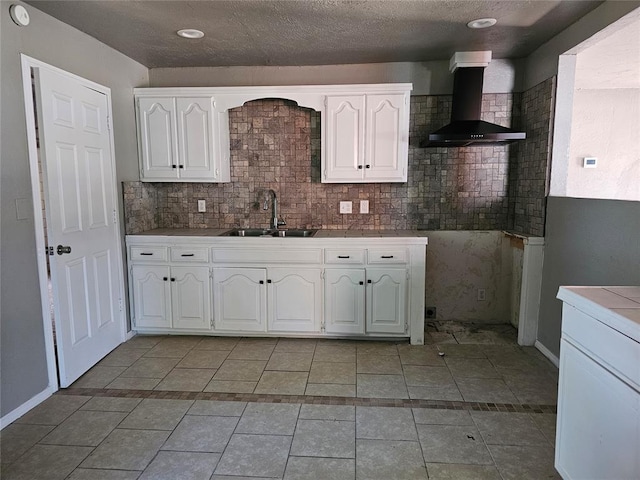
{"x": 202, "y": 206}
{"x": 482, "y": 294}
{"x": 364, "y": 206}
{"x": 346, "y": 207}
{"x": 430, "y": 312}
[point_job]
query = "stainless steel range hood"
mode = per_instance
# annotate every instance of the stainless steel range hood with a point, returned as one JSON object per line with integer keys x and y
{"x": 465, "y": 127}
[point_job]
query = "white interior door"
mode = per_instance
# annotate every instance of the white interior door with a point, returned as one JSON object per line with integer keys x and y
{"x": 78, "y": 169}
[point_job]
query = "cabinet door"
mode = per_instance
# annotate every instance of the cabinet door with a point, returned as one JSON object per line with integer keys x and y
{"x": 386, "y": 300}
{"x": 598, "y": 433}
{"x": 151, "y": 296}
{"x": 239, "y": 299}
{"x": 294, "y": 299}
{"x": 157, "y": 138}
{"x": 197, "y": 153}
{"x": 387, "y": 138}
{"x": 344, "y": 300}
{"x": 191, "y": 298}
{"x": 344, "y": 139}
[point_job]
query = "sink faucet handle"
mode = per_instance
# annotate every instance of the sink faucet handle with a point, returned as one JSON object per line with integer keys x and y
{"x": 281, "y": 222}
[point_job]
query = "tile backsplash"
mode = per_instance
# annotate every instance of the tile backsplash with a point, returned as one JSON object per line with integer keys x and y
{"x": 276, "y": 145}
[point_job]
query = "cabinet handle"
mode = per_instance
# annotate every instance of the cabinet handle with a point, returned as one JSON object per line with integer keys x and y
{"x": 359, "y": 167}
{"x": 367, "y": 166}
{"x": 268, "y": 281}
{"x": 386, "y": 256}
{"x": 165, "y": 278}
{"x": 145, "y": 254}
{"x": 344, "y": 256}
{"x": 368, "y": 281}
{"x": 361, "y": 283}
{"x": 191, "y": 255}
{"x": 173, "y": 279}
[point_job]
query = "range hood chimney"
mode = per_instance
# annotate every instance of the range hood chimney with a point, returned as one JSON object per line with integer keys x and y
{"x": 465, "y": 127}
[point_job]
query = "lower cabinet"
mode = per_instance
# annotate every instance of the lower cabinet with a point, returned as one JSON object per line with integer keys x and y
{"x": 371, "y": 300}
{"x": 171, "y": 297}
{"x": 267, "y": 299}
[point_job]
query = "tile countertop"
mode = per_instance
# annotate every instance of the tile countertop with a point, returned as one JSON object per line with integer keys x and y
{"x": 215, "y": 232}
{"x": 616, "y": 307}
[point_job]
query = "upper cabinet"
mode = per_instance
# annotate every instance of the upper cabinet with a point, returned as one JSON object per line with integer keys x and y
{"x": 183, "y": 133}
{"x": 182, "y": 139}
{"x": 367, "y": 138}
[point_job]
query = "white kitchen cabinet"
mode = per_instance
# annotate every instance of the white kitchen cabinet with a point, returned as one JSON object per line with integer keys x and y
{"x": 598, "y": 424}
{"x": 182, "y": 139}
{"x": 269, "y": 286}
{"x": 151, "y": 302}
{"x": 344, "y": 295}
{"x": 239, "y": 297}
{"x": 276, "y": 299}
{"x": 171, "y": 297}
{"x": 191, "y": 298}
{"x": 369, "y": 299}
{"x": 367, "y": 138}
{"x": 294, "y": 299}
{"x": 386, "y": 300}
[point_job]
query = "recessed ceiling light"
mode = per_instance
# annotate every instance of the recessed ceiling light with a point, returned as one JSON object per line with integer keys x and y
{"x": 190, "y": 33}
{"x": 482, "y": 23}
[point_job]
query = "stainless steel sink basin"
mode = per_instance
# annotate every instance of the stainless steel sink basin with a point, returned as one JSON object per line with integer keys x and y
{"x": 249, "y": 232}
{"x": 295, "y": 233}
{"x": 261, "y": 232}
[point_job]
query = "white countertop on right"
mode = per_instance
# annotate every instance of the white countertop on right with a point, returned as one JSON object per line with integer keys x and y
{"x": 617, "y": 307}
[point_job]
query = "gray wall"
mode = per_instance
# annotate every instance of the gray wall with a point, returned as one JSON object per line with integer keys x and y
{"x": 23, "y": 366}
{"x": 588, "y": 242}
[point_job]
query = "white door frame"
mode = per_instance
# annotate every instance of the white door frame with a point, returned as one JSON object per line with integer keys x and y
{"x": 28, "y": 63}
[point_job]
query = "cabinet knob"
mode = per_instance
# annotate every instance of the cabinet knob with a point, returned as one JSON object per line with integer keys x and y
{"x": 368, "y": 281}
{"x": 261, "y": 282}
{"x": 359, "y": 167}
{"x": 182, "y": 166}
{"x": 268, "y": 281}
{"x": 174, "y": 166}
{"x": 165, "y": 278}
{"x": 368, "y": 166}
{"x": 173, "y": 279}
{"x": 361, "y": 283}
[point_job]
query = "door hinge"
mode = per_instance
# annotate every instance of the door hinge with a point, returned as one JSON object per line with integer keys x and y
{"x": 321, "y": 274}
{"x": 109, "y": 123}
{"x": 120, "y": 304}
{"x": 133, "y": 321}
{"x": 213, "y": 323}
{"x": 115, "y": 217}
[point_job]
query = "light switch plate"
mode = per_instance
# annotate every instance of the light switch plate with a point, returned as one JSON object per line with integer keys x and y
{"x": 202, "y": 206}
{"x": 346, "y": 207}
{"x": 364, "y": 206}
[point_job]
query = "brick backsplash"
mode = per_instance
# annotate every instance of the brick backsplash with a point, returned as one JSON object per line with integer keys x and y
{"x": 529, "y": 170}
{"x": 276, "y": 145}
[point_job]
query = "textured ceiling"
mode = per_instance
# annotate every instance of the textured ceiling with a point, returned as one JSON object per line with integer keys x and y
{"x": 314, "y": 32}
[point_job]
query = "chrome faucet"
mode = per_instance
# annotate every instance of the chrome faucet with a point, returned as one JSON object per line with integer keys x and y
{"x": 275, "y": 221}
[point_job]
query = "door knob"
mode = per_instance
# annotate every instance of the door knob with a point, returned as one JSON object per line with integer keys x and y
{"x": 62, "y": 249}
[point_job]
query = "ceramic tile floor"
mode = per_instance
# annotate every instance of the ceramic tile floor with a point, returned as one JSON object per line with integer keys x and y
{"x": 128, "y": 418}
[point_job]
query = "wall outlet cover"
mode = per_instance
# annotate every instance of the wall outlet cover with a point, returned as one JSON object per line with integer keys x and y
{"x": 202, "y": 206}
{"x": 364, "y": 206}
{"x": 346, "y": 207}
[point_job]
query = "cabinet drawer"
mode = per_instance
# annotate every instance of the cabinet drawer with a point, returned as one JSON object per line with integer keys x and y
{"x": 387, "y": 255}
{"x": 255, "y": 255}
{"x": 344, "y": 256}
{"x": 612, "y": 349}
{"x": 190, "y": 254}
{"x": 141, "y": 253}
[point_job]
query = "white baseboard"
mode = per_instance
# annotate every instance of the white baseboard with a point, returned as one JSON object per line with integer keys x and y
{"x": 26, "y": 406}
{"x": 547, "y": 353}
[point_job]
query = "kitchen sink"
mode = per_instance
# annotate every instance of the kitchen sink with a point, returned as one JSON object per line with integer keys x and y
{"x": 261, "y": 232}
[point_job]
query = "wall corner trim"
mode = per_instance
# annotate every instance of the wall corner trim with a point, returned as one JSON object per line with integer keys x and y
{"x": 547, "y": 353}
{"x": 26, "y": 406}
